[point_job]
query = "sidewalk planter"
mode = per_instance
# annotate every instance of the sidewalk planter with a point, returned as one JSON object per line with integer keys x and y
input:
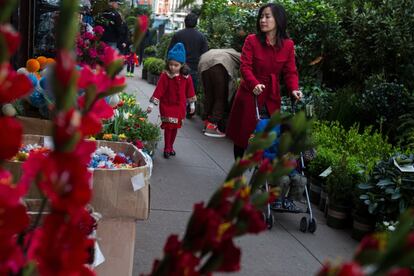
{"x": 338, "y": 216}
{"x": 156, "y": 79}
{"x": 117, "y": 193}
{"x": 362, "y": 225}
{"x": 150, "y": 77}
{"x": 144, "y": 73}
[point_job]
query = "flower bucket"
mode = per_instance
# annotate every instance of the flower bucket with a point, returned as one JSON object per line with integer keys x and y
{"x": 338, "y": 216}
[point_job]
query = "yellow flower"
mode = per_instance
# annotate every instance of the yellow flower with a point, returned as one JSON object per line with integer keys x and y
{"x": 122, "y": 137}
{"x": 107, "y": 136}
{"x": 229, "y": 184}
{"x": 245, "y": 191}
{"x": 222, "y": 229}
{"x": 91, "y": 138}
{"x": 142, "y": 119}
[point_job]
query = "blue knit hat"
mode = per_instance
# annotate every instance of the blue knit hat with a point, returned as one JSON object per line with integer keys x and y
{"x": 177, "y": 53}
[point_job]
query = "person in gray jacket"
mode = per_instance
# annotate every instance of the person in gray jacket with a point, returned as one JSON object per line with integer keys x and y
{"x": 219, "y": 69}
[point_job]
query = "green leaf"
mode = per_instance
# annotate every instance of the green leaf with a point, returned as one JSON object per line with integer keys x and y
{"x": 385, "y": 182}
{"x": 365, "y": 186}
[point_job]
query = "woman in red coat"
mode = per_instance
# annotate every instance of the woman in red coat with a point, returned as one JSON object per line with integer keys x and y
{"x": 173, "y": 91}
{"x": 265, "y": 56}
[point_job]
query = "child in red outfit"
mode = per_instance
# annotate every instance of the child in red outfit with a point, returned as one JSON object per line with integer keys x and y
{"x": 173, "y": 91}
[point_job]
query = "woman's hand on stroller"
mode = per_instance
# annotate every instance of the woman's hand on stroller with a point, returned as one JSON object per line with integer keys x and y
{"x": 258, "y": 89}
{"x": 297, "y": 94}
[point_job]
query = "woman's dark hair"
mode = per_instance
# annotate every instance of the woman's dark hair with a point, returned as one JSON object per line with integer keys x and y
{"x": 184, "y": 70}
{"x": 279, "y": 14}
{"x": 190, "y": 21}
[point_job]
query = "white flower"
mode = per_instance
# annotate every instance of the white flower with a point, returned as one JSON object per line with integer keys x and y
{"x": 386, "y": 223}
{"x": 106, "y": 151}
{"x": 126, "y": 115}
{"x": 391, "y": 228}
{"x": 8, "y": 110}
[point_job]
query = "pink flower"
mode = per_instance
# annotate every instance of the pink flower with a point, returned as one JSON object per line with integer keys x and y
{"x": 93, "y": 53}
{"x": 88, "y": 36}
{"x": 98, "y": 30}
{"x": 110, "y": 55}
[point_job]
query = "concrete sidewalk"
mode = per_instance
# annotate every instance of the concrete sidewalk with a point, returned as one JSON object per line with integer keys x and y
{"x": 198, "y": 169}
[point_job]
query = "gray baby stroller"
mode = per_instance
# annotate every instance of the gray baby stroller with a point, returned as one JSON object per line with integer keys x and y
{"x": 307, "y": 223}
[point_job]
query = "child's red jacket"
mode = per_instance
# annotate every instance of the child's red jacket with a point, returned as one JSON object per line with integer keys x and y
{"x": 172, "y": 94}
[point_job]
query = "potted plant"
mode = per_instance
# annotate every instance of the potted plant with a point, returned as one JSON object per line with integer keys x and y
{"x": 389, "y": 190}
{"x": 325, "y": 157}
{"x": 340, "y": 186}
{"x": 146, "y": 64}
{"x": 155, "y": 69}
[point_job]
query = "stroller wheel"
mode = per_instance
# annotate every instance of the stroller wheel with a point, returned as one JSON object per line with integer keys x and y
{"x": 312, "y": 226}
{"x": 303, "y": 224}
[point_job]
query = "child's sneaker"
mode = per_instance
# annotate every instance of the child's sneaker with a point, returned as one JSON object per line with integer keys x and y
{"x": 213, "y": 131}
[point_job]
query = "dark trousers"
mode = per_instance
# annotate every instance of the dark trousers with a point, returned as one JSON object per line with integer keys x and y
{"x": 216, "y": 91}
{"x": 130, "y": 67}
{"x": 238, "y": 152}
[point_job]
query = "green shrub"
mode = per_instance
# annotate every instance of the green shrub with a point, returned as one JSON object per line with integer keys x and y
{"x": 148, "y": 62}
{"x": 162, "y": 46}
{"x": 150, "y": 51}
{"x": 156, "y": 66}
{"x": 325, "y": 158}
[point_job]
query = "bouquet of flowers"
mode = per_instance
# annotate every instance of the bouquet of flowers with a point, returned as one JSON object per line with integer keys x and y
{"x": 89, "y": 48}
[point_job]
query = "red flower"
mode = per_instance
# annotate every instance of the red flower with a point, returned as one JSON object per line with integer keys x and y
{"x": 62, "y": 177}
{"x": 410, "y": 241}
{"x": 350, "y": 269}
{"x": 119, "y": 159}
{"x": 11, "y": 37}
{"x": 13, "y": 217}
{"x": 99, "y": 80}
{"x": 230, "y": 256}
{"x": 92, "y": 120}
{"x": 203, "y": 229}
{"x": 98, "y": 30}
{"x": 400, "y": 272}
{"x": 11, "y": 133}
{"x": 266, "y": 166}
{"x": 65, "y": 68}
{"x": 12, "y": 85}
{"x": 138, "y": 143}
{"x": 110, "y": 55}
{"x": 253, "y": 217}
{"x": 60, "y": 242}
{"x": 368, "y": 243}
{"x": 140, "y": 29}
{"x": 173, "y": 245}
{"x": 67, "y": 126}
{"x": 11, "y": 256}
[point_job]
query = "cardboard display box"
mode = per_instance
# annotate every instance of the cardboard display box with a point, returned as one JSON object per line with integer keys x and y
{"x": 116, "y": 238}
{"x": 121, "y": 193}
{"x": 36, "y": 126}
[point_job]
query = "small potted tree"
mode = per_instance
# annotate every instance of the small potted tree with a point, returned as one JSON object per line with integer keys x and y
{"x": 340, "y": 186}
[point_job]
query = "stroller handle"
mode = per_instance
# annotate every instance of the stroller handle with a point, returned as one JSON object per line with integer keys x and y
{"x": 257, "y": 108}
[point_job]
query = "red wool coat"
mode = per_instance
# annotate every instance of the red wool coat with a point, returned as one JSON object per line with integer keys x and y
{"x": 260, "y": 64}
{"x": 172, "y": 94}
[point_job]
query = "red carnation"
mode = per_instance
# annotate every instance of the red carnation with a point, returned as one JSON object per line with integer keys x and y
{"x": 350, "y": 269}
{"x": 253, "y": 217}
{"x": 230, "y": 256}
{"x": 11, "y": 37}
{"x": 65, "y": 68}
{"x": 11, "y": 132}
{"x": 400, "y": 272}
{"x": 12, "y": 85}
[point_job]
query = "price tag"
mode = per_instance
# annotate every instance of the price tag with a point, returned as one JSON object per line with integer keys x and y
{"x": 48, "y": 142}
{"x": 326, "y": 172}
{"x": 138, "y": 181}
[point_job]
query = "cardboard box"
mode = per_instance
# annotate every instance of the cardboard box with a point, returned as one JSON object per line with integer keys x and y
{"x": 121, "y": 193}
{"x": 36, "y": 126}
{"x": 116, "y": 239}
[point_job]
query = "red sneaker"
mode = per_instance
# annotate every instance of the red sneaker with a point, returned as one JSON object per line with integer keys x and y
{"x": 213, "y": 131}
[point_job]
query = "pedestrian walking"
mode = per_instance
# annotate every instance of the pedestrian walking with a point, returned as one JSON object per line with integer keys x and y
{"x": 112, "y": 23}
{"x": 218, "y": 69}
{"x": 173, "y": 91}
{"x": 131, "y": 60}
{"x": 266, "y": 56}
